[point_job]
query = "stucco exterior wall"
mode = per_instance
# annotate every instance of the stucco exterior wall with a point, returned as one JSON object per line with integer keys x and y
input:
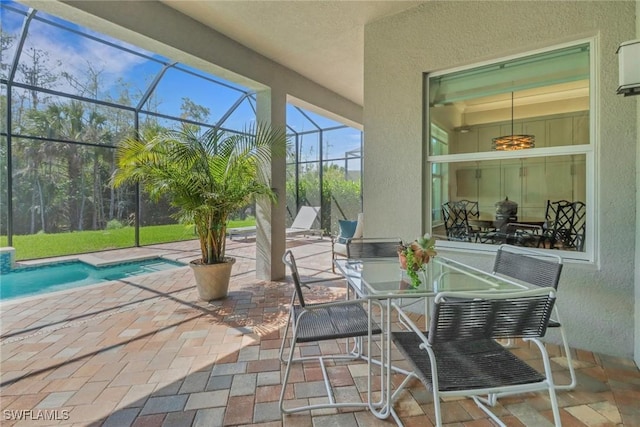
{"x": 637, "y": 265}
{"x": 597, "y": 300}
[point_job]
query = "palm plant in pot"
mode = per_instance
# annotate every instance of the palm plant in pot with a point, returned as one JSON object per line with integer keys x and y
{"x": 205, "y": 176}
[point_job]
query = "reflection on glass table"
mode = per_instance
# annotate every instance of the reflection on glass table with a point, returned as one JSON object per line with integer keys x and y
{"x": 383, "y": 278}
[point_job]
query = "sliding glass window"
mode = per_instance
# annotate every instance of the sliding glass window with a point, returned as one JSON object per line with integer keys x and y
{"x": 510, "y": 152}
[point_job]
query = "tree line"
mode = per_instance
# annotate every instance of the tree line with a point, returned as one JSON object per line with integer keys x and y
{"x": 63, "y": 148}
{"x": 63, "y": 151}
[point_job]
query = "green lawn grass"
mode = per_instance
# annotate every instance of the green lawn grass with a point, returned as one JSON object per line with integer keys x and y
{"x": 42, "y": 245}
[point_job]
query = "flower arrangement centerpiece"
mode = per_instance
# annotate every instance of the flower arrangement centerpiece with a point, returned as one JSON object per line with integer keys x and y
{"x": 415, "y": 256}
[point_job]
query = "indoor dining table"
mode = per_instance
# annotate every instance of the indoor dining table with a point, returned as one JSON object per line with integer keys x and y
{"x": 381, "y": 280}
{"x": 491, "y": 223}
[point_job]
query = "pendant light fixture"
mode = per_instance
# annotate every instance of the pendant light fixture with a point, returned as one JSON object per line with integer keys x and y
{"x": 513, "y": 142}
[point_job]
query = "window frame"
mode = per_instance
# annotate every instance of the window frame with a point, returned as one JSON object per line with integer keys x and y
{"x": 590, "y": 151}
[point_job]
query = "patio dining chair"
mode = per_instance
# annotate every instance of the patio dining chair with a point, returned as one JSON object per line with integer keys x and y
{"x": 373, "y": 247}
{"x": 319, "y": 322}
{"x": 369, "y": 248}
{"x": 460, "y": 357}
{"x": 541, "y": 269}
{"x": 348, "y": 232}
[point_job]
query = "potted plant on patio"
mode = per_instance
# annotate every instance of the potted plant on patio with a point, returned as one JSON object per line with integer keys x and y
{"x": 205, "y": 176}
{"x": 414, "y": 256}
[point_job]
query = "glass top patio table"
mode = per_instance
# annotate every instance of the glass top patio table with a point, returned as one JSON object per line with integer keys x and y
{"x": 382, "y": 278}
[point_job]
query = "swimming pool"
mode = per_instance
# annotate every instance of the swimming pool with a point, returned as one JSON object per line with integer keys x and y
{"x": 26, "y": 281}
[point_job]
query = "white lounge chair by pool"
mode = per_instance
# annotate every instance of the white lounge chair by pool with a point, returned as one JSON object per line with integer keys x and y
{"x": 302, "y": 224}
{"x": 241, "y": 231}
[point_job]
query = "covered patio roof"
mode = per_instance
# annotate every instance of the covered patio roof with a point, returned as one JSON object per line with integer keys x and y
{"x": 323, "y": 41}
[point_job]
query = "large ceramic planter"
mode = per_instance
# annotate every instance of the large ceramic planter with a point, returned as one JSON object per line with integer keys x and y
{"x": 212, "y": 280}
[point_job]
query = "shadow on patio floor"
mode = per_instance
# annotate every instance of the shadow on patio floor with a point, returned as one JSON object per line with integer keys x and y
{"x": 146, "y": 352}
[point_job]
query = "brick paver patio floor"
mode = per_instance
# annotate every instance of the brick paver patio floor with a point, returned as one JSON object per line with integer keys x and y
{"x": 145, "y": 352}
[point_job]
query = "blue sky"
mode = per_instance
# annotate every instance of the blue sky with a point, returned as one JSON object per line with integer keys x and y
{"x": 74, "y": 54}
{"x": 77, "y": 54}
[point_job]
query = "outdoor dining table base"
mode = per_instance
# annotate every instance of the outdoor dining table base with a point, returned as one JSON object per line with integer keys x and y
{"x": 383, "y": 408}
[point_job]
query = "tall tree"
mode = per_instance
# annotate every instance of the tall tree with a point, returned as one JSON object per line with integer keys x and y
{"x": 6, "y": 42}
{"x": 37, "y": 70}
{"x": 192, "y": 111}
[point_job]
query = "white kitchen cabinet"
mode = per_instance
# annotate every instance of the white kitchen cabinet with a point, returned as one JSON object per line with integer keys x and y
{"x": 529, "y": 182}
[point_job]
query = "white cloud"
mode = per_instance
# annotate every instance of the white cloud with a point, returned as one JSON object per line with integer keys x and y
{"x": 75, "y": 55}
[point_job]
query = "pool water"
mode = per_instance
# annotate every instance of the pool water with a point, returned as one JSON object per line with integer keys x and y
{"x": 26, "y": 281}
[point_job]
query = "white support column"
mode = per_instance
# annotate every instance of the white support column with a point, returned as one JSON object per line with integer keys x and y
{"x": 637, "y": 269}
{"x": 270, "y": 217}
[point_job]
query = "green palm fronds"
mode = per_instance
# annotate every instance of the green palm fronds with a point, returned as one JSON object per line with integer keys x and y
{"x": 205, "y": 176}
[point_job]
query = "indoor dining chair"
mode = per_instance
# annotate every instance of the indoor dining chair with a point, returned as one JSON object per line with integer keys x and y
{"x": 566, "y": 225}
{"x": 456, "y": 221}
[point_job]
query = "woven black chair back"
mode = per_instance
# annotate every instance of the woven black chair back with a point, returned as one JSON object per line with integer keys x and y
{"x": 468, "y": 319}
{"x": 372, "y": 248}
{"x": 536, "y": 271}
{"x": 290, "y": 261}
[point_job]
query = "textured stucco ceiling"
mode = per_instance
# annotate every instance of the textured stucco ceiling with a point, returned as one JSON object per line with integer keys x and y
{"x": 321, "y": 40}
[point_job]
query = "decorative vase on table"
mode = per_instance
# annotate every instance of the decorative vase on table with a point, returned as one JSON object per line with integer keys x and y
{"x": 415, "y": 256}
